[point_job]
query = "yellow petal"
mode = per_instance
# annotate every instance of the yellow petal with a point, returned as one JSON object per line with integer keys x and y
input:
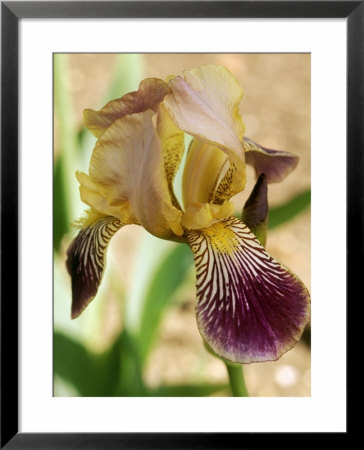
{"x": 127, "y": 166}
{"x": 172, "y": 141}
{"x": 202, "y": 215}
{"x": 150, "y": 93}
{"x": 227, "y": 184}
{"x": 89, "y": 217}
{"x": 205, "y": 104}
{"x": 91, "y": 195}
{"x": 202, "y": 171}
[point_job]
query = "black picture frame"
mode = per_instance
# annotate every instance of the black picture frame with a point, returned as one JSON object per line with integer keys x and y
{"x": 11, "y": 12}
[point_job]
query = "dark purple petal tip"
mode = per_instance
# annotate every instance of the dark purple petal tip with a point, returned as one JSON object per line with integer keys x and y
{"x": 86, "y": 260}
{"x": 255, "y": 211}
{"x": 275, "y": 164}
{"x": 249, "y": 307}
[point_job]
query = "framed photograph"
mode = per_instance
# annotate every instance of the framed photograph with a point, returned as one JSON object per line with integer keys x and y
{"x": 181, "y": 194}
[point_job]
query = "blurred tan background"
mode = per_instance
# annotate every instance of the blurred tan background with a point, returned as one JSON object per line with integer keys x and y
{"x": 276, "y": 112}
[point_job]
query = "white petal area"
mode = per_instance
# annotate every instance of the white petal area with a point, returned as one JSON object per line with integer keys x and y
{"x": 127, "y": 165}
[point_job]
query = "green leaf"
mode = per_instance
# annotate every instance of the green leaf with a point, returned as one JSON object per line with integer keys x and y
{"x": 61, "y": 218}
{"x": 128, "y": 74}
{"x": 283, "y": 213}
{"x": 71, "y": 361}
{"x": 65, "y": 183}
{"x": 167, "y": 278}
{"x": 188, "y": 390}
{"x": 130, "y": 382}
{"x": 91, "y": 374}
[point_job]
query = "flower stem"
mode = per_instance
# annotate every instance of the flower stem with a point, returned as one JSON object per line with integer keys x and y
{"x": 236, "y": 379}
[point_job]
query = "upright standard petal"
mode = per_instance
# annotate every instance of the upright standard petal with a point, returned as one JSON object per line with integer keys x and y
{"x": 205, "y": 104}
{"x": 275, "y": 164}
{"x": 149, "y": 95}
{"x": 86, "y": 260}
{"x": 249, "y": 307}
{"x": 202, "y": 172}
{"x": 127, "y": 166}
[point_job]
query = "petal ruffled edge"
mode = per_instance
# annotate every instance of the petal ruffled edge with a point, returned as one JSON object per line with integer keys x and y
{"x": 249, "y": 307}
{"x": 150, "y": 94}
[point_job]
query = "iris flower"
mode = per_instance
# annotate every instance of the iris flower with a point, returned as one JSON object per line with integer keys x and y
{"x": 249, "y": 307}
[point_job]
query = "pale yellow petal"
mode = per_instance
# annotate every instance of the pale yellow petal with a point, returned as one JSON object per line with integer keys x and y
{"x": 172, "y": 141}
{"x": 91, "y": 195}
{"x": 226, "y": 186}
{"x": 202, "y": 171}
{"x": 205, "y": 103}
{"x": 202, "y": 215}
{"x": 89, "y": 217}
{"x": 149, "y": 95}
{"x": 127, "y": 166}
